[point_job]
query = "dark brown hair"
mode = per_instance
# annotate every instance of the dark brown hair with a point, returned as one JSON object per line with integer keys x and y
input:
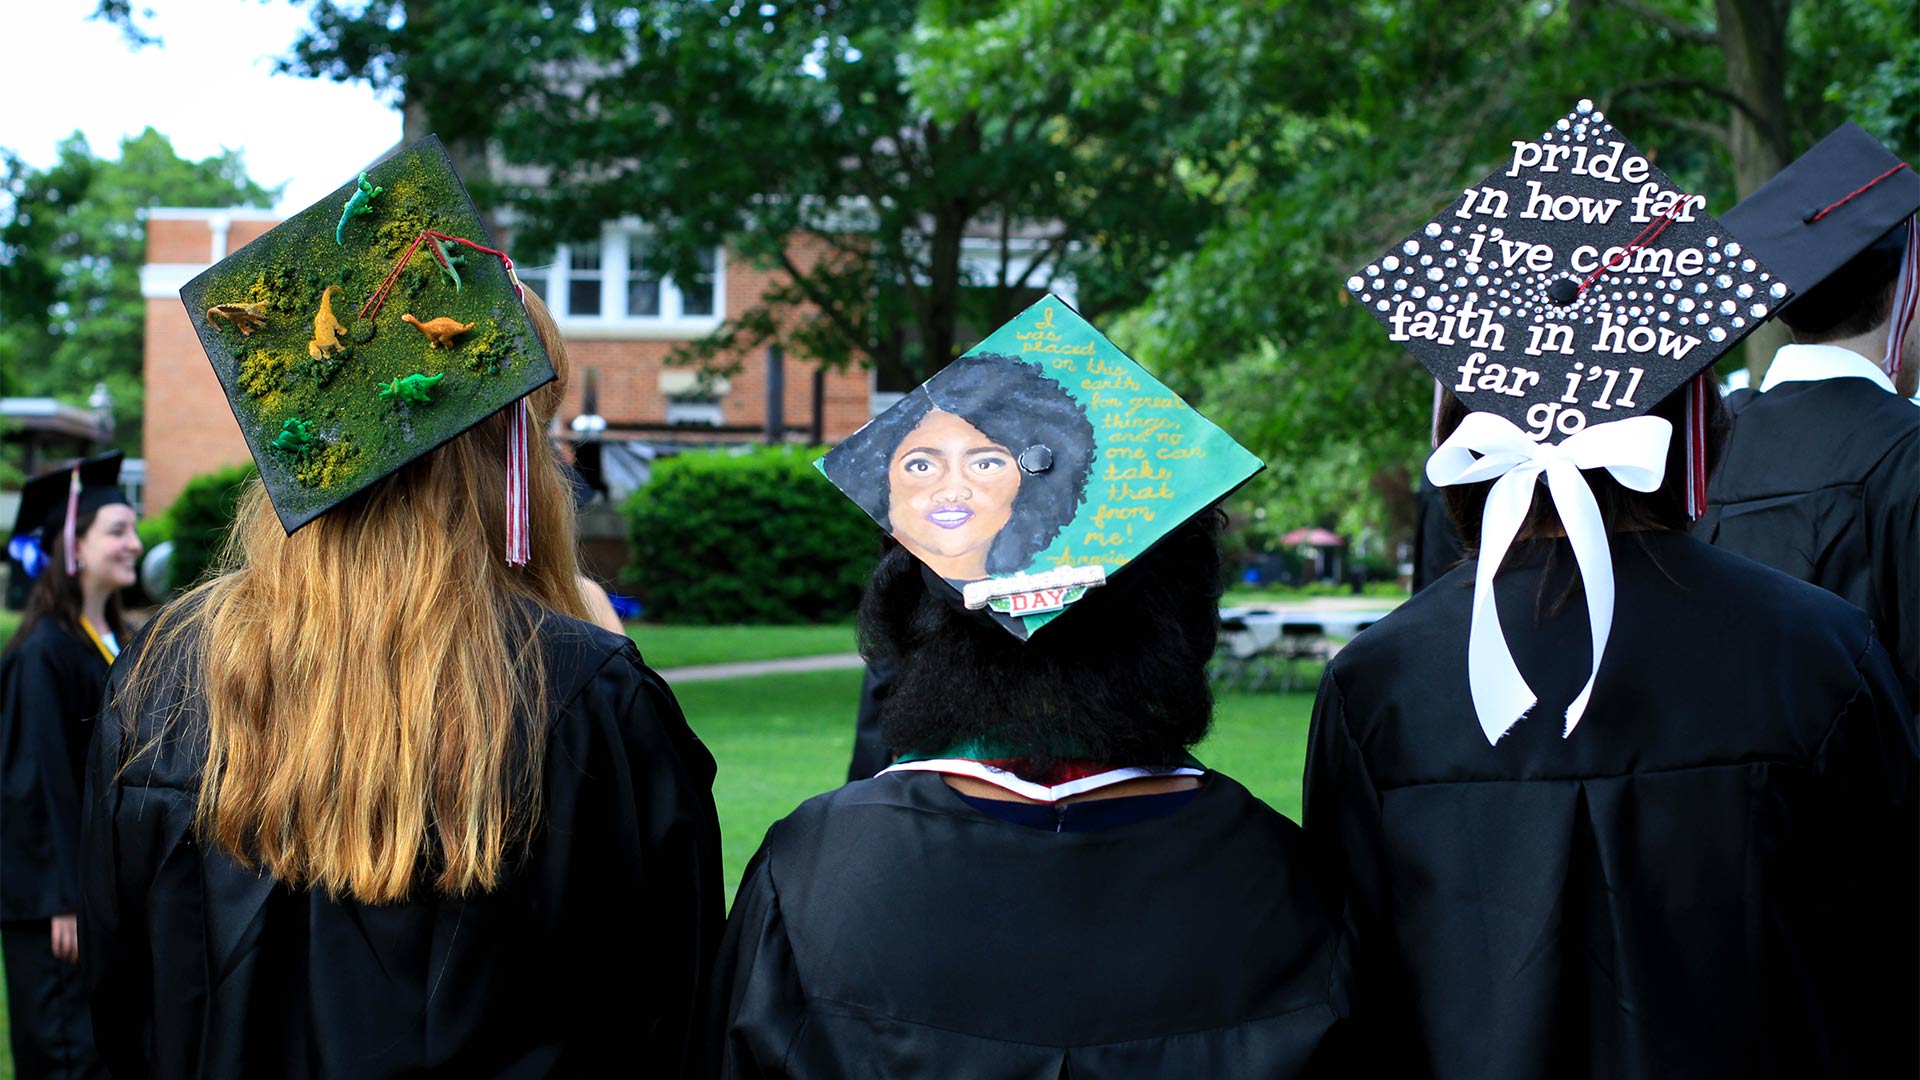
{"x": 56, "y": 594}
{"x": 1122, "y": 678}
{"x": 1621, "y": 507}
{"x": 1852, "y": 300}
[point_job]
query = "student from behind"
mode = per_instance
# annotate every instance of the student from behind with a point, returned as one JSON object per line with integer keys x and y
{"x": 377, "y": 801}
{"x": 1608, "y": 801}
{"x": 1046, "y": 883}
{"x": 1821, "y": 477}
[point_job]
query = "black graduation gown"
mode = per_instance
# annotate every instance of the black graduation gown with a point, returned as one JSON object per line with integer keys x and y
{"x": 1436, "y": 543}
{"x": 51, "y": 687}
{"x": 1821, "y": 480}
{"x": 888, "y": 929}
{"x": 589, "y": 960}
{"x": 1715, "y": 875}
{"x": 870, "y": 752}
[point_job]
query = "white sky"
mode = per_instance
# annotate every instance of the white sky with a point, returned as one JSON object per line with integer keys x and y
{"x": 209, "y": 85}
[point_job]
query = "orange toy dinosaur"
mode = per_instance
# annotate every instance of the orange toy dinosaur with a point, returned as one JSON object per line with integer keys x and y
{"x": 440, "y": 332}
{"x": 326, "y": 328}
{"x": 245, "y": 318}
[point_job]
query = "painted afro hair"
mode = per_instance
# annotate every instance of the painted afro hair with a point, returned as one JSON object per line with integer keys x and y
{"x": 1013, "y": 403}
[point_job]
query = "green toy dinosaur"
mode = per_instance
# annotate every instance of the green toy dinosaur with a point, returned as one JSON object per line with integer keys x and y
{"x": 449, "y": 260}
{"x": 295, "y": 438}
{"x": 361, "y": 202}
{"x": 411, "y": 388}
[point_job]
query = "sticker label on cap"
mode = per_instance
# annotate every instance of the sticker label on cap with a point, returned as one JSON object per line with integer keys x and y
{"x": 1033, "y": 594}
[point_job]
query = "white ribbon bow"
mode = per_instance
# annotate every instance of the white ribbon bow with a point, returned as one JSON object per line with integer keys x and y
{"x": 1634, "y": 450}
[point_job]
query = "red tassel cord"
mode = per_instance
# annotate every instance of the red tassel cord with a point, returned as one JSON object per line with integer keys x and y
{"x": 1696, "y": 437}
{"x": 519, "y": 509}
{"x": 1906, "y": 298}
{"x": 67, "y": 531}
{"x": 1647, "y": 236}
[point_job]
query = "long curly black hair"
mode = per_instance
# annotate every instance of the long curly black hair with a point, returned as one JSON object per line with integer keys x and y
{"x": 1013, "y": 403}
{"x": 1121, "y": 678}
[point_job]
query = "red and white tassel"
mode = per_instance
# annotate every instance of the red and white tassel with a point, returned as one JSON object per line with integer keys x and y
{"x": 1906, "y": 297}
{"x": 519, "y": 513}
{"x": 1696, "y": 438}
{"x": 67, "y": 531}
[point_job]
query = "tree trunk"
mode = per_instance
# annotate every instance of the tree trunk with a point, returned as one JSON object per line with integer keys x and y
{"x": 1753, "y": 39}
{"x": 940, "y": 301}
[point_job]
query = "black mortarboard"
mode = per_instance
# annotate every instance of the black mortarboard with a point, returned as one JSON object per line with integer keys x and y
{"x": 1846, "y": 196}
{"x": 1574, "y": 285}
{"x": 1561, "y": 299}
{"x": 365, "y": 331}
{"x": 1038, "y": 463}
{"x": 44, "y": 499}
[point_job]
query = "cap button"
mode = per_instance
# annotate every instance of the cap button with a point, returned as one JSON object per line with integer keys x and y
{"x": 1564, "y": 291}
{"x": 1036, "y": 459}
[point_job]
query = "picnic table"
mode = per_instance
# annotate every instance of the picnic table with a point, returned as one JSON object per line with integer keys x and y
{"x": 1256, "y": 640}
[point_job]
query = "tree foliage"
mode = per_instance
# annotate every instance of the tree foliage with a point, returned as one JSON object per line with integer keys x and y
{"x": 1209, "y": 171}
{"x": 71, "y": 245}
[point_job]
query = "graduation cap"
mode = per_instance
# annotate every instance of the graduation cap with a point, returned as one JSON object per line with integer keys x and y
{"x": 52, "y": 504}
{"x": 1838, "y": 225}
{"x": 366, "y": 330}
{"x": 1560, "y": 299}
{"x": 1037, "y": 464}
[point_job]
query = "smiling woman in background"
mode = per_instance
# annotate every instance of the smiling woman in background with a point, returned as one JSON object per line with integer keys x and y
{"x": 52, "y": 677}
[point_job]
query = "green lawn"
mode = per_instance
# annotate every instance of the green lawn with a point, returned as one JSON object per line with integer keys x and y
{"x": 1386, "y": 591}
{"x": 684, "y": 646}
{"x": 779, "y": 739}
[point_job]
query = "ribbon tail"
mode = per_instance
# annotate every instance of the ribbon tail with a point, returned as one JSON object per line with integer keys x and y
{"x": 1587, "y": 534}
{"x": 1501, "y": 695}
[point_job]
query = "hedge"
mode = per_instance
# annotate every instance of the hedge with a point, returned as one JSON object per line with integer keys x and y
{"x": 755, "y": 536}
{"x": 201, "y": 516}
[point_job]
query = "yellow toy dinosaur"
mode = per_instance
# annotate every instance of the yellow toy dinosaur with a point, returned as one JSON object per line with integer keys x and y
{"x": 440, "y": 332}
{"x": 326, "y": 328}
{"x": 245, "y": 318}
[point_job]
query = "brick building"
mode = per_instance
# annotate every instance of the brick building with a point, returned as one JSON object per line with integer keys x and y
{"x": 617, "y": 322}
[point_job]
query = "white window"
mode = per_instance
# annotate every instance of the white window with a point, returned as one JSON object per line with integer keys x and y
{"x": 584, "y": 281}
{"x": 604, "y": 290}
{"x": 693, "y": 398}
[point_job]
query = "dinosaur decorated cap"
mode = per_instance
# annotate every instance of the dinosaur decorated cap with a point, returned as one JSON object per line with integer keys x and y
{"x": 365, "y": 331}
{"x": 1036, "y": 465}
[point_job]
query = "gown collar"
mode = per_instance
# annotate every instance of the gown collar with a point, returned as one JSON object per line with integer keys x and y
{"x": 1812, "y": 363}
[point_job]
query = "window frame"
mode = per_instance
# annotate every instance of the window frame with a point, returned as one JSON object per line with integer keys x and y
{"x": 617, "y": 244}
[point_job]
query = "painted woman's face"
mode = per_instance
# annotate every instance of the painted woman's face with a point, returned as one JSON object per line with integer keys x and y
{"x": 950, "y": 491}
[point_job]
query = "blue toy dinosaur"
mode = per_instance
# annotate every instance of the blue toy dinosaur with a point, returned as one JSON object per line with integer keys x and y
{"x": 361, "y": 202}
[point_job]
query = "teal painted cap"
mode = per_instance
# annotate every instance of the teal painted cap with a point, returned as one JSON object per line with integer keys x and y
{"x": 1036, "y": 465}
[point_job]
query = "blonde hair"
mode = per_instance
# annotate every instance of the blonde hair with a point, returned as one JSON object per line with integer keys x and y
{"x": 372, "y": 685}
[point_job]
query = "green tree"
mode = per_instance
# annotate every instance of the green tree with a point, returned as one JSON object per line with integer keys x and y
{"x": 815, "y": 138}
{"x": 71, "y": 245}
{"x": 1391, "y": 108}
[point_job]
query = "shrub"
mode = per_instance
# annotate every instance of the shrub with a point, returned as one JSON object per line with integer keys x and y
{"x": 758, "y": 536}
{"x": 201, "y": 517}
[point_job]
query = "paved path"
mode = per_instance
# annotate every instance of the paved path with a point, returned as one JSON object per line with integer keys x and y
{"x": 705, "y": 672}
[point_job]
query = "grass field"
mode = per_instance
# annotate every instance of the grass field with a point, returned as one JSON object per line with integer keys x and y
{"x": 684, "y": 646}
{"x": 780, "y": 739}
